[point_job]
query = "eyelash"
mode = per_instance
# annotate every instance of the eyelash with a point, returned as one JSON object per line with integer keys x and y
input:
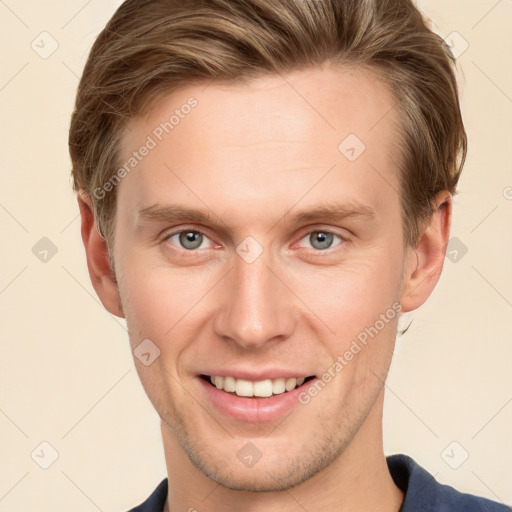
{"x": 317, "y": 251}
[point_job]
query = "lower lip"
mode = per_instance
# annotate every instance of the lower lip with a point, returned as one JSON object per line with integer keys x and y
{"x": 254, "y": 409}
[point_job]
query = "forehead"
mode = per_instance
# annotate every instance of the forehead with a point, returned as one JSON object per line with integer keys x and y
{"x": 305, "y": 134}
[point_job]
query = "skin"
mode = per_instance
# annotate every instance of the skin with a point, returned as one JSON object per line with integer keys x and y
{"x": 253, "y": 155}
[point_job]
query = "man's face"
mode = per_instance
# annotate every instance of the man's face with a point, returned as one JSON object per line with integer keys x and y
{"x": 259, "y": 292}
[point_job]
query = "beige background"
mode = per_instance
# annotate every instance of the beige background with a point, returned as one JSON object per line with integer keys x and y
{"x": 66, "y": 373}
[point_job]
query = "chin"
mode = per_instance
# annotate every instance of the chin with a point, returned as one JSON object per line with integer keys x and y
{"x": 271, "y": 474}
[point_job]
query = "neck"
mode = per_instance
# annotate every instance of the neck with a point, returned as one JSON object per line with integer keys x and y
{"x": 358, "y": 480}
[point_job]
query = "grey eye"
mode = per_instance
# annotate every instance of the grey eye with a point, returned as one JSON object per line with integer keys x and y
{"x": 322, "y": 239}
{"x": 190, "y": 239}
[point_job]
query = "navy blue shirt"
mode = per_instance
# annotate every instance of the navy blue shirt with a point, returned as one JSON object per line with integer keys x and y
{"x": 423, "y": 493}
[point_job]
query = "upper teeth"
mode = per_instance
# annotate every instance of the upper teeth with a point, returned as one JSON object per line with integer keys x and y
{"x": 261, "y": 388}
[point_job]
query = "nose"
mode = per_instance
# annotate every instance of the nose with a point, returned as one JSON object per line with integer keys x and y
{"x": 255, "y": 305}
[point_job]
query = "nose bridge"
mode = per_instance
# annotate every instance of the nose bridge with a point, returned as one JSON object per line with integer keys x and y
{"x": 255, "y": 307}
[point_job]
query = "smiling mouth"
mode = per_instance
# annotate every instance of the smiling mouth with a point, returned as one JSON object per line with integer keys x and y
{"x": 259, "y": 389}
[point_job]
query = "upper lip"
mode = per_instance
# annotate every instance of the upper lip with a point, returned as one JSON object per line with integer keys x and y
{"x": 255, "y": 375}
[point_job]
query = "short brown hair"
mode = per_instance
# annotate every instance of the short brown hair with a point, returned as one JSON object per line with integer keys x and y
{"x": 152, "y": 47}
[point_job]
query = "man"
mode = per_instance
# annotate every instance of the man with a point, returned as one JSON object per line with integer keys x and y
{"x": 265, "y": 185}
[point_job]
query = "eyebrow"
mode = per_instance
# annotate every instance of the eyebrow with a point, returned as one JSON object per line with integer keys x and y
{"x": 173, "y": 213}
{"x": 334, "y": 211}
{"x": 328, "y": 211}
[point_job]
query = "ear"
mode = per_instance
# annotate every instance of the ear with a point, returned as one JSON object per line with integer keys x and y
{"x": 98, "y": 260}
{"x": 424, "y": 262}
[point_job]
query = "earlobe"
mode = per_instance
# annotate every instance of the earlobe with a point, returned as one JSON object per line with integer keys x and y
{"x": 98, "y": 259}
{"x": 424, "y": 263}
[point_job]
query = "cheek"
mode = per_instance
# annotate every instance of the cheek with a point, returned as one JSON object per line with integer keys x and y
{"x": 359, "y": 304}
{"x": 351, "y": 296}
{"x": 159, "y": 302}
